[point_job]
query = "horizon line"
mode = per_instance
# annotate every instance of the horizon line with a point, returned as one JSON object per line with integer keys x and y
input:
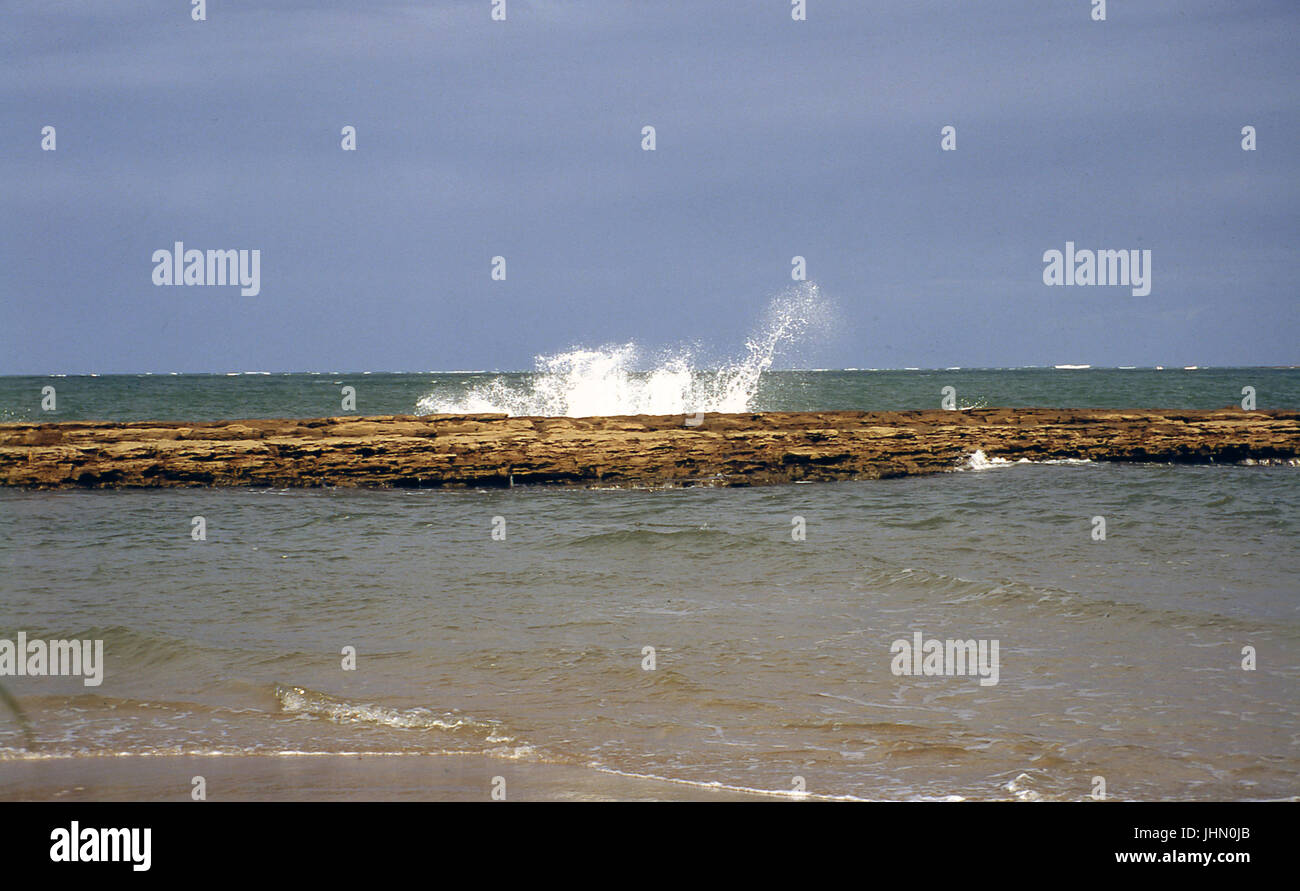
{"x": 1061, "y": 367}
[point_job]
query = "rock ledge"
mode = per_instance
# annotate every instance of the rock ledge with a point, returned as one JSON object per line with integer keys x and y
{"x": 726, "y": 450}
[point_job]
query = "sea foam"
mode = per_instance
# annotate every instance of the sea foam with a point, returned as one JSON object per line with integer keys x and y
{"x": 615, "y": 380}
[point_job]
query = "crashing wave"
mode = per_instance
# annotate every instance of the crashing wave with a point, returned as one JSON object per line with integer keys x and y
{"x": 613, "y": 380}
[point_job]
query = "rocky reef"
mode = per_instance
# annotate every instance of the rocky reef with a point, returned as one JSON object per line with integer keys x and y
{"x": 727, "y": 450}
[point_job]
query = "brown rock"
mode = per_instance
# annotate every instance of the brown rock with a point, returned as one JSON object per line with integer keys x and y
{"x": 729, "y": 450}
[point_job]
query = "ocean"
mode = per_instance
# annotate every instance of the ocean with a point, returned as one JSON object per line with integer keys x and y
{"x": 602, "y": 383}
{"x": 662, "y": 643}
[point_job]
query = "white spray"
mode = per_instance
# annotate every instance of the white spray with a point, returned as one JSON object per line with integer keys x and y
{"x": 590, "y": 382}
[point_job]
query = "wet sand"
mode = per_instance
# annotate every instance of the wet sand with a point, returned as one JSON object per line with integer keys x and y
{"x": 330, "y": 777}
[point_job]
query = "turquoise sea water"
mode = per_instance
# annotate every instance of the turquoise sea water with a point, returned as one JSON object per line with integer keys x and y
{"x": 257, "y": 395}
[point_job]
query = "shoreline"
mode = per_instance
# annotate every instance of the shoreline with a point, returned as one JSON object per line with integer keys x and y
{"x": 465, "y": 451}
{"x": 328, "y": 776}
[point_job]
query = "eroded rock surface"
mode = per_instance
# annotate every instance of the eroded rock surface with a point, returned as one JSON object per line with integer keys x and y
{"x": 729, "y": 450}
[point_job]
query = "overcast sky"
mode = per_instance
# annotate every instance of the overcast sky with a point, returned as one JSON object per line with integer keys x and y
{"x": 522, "y": 138}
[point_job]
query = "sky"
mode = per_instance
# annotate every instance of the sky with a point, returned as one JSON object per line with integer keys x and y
{"x": 522, "y": 138}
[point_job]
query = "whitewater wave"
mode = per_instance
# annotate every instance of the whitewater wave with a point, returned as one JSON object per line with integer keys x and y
{"x": 614, "y": 380}
{"x": 980, "y": 461}
{"x": 314, "y": 703}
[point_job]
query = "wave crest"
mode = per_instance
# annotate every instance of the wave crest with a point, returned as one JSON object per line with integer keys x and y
{"x": 612, "y": 380}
